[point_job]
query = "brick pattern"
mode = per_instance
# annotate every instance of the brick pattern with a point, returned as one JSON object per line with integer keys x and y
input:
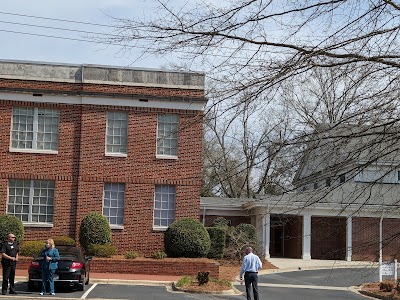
{"x": 366, "y": 239}
{"x": 167, "y": 266}
{"x": 154, "y": 267}
{"x": 105, "y": 89}
{"x": 80, "y": 168}
{"x": 328, "y": 238}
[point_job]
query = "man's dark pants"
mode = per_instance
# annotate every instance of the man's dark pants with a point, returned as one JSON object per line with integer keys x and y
{"x": 8, "y": 276}
{"x": 251, "y": 278}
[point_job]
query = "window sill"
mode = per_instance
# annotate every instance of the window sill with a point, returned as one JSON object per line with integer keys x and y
{"x": 116, "y": 154}
{"x": 33, "y": 151}
{"x": 160, "y": 228}
{"x": 44, "y": 225}
{"x": 170, "y": 157}
{"x": 117, "y": 227}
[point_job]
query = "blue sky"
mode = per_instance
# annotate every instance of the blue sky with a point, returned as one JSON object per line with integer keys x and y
{"x": 16, "y": 46}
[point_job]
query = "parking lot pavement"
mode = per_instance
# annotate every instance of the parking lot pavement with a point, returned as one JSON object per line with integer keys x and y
{"x": 117, "y": 291}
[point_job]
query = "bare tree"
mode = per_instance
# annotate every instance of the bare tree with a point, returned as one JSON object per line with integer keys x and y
{"x": 251, "y": 46}
{"x": 246, "y": 154}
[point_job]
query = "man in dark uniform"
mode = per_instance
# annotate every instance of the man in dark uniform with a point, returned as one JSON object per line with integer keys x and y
{"x": 9, "y": 253}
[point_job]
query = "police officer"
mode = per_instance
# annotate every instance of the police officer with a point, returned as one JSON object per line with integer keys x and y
{"x": 9, "y": 253}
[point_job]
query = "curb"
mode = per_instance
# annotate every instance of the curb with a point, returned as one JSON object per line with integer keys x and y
{"x": 116, "y": 281}
{"x": 232, "y": 291}
{"x": 131, "y": 282}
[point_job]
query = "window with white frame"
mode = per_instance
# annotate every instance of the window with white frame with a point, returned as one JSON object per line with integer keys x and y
{"x": 164, "y": 205}
{"x": 113, "y": 203}
{"x": 31, "y": 201}
{"x": 117, "y": 132}
{"x": 35, "y": 128}
{"x": 167, "y": 134}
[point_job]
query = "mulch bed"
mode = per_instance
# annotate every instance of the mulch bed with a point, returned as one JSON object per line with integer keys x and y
{"x": 372, "y": 289}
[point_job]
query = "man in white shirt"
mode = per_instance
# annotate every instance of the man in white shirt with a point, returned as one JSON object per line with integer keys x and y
{"x": 250, "y": 266}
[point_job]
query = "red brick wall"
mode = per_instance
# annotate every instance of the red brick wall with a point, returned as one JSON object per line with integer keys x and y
{"x": 167, "y": 266}
{"x": 328, "y": 238}
{"x": 80, "y": 168}
{"x": 366, "y": 239}
{"x": 61, "y": 168}
{"x": 89, "y": 88}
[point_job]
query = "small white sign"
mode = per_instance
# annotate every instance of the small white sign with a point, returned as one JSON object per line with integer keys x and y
{"x": 387, "y": 268}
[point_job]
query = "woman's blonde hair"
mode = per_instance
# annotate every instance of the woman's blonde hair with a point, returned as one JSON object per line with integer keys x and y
{"x": 51, "y": 242}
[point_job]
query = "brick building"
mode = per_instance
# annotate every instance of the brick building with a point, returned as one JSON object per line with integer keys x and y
{"x": 81, "y": 138}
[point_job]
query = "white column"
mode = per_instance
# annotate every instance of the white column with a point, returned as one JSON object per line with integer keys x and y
{"x": 307, "y": 236}
{"x": 266, "y": 234}
{"x": 380, "y": 247}
{"x": 349, "y": 238}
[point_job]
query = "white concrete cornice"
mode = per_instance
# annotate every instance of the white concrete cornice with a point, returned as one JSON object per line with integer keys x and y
{"x": 98, "y": 100}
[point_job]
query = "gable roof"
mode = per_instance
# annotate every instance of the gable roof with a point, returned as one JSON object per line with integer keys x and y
{"x": 335, "y": 149}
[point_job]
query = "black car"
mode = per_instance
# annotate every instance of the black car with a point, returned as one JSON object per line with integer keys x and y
{"x": 73, "y": 269}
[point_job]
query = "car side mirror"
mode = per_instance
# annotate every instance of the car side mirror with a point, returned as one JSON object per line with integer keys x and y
{"x": 89, "y": 258}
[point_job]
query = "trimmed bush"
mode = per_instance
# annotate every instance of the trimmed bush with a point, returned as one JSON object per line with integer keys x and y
{"x": 64, "y": 241}
{"x": 186, "y": 238}
{"x": 31, "y": 248}
{"x": 131, "y": 254}
{"x": 10, "y": 224}
{"x": 221, "y": 222}
{"x": 94, "y": 229}
{"x": 159, "y": 255}
{"x": 203, "y": 277}
{"x": 218, "y": 238}
{"x": 106, "y": 250}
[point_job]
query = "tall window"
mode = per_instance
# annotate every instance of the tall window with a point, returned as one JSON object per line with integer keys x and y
{"x": 167, "y": 135}
{"x": 164, "y": 205}
{"x": 31, "y": 200}
{"x": 35, "y": 128}
{"x": 113, "y": 203}
{"x": 117, "y": 132}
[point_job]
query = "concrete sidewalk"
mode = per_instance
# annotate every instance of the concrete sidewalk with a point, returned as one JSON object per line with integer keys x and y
{"x": 291, "y": 264}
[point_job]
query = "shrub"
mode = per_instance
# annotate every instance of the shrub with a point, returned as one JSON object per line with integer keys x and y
{"x": 131, "y": 254}
{"x": 31, "y": 248}
{"x": 12, "y": 224}
{"x": 203, "y": 277}
{"x": 386, "y": 286}
{"x": 186, "y": 238}
{"x": 64, "y": 241}
{"x": 106, "y": 250}
{"x": 94, "y": 229}
{"x": 240, "y": 237}
{"x": 159, "y": 255}
{"x": 221, "y": 222}
{"x": 218, "y": 239}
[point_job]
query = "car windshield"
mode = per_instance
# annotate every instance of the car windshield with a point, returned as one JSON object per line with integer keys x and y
{"x": 68, "y": 253}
